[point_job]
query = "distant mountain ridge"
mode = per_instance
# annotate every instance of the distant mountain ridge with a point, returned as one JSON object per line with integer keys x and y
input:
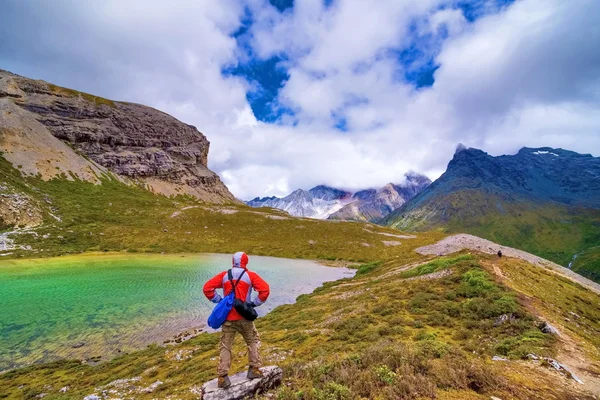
{"x": 542, "y": 200}
{"x": 318, "y": 202}
{"x": 373, "y": 205}
{"x": 325, "y": 202}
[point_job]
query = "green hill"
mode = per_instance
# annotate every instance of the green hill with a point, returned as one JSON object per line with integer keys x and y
{"x": 544, "y": 201}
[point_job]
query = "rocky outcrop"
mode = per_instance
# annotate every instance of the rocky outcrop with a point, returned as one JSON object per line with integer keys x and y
{"x": 242, "y": 387}
{"x": 133, "y": 141}
{"x": 18, "y": 209}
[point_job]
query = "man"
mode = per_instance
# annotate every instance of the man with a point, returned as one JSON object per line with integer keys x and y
{"x": 248, "y": 280}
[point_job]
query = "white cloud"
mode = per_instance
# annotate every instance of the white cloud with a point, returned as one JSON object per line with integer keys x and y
{"x": 524, "y": 75}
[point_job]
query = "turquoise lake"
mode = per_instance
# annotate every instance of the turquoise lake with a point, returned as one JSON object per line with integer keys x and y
{"x": 101, "y": 305}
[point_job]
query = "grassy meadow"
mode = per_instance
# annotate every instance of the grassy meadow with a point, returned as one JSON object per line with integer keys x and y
{"x": 114, "y": 216}
{"x": 549, "y": 230}
{"x": 390, "y": 332}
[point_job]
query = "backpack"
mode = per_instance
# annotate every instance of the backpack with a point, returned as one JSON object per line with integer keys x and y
{"x": 243, "y": 307}
{"x": 219, "y": 314}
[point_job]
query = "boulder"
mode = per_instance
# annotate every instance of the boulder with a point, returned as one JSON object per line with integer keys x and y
{"x": 545, "y": 327}
{"x": 242, "y": 387}
{"x": 505, "y": 318}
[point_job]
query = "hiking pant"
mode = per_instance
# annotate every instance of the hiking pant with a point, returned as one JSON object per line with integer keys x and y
{"x": 249, "y": 333}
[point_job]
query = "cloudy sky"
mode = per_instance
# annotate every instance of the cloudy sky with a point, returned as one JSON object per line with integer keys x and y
{"x": 350, "y": 93}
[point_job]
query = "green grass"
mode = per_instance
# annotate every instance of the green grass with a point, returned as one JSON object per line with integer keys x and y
{"x": 587, "y": 263}
{"x": 548, "y": 230}
{"x": 381, "y": 338}
{"x": 74, "y": 93}
{"x": 564, "y": 302}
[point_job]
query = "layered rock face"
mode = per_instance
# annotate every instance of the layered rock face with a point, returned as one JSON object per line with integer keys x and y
{"x": 131, "y": 140}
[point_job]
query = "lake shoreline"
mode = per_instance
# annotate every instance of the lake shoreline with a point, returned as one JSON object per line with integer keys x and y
{"x": 338, "y": 263}
{"x": 181, "y": 326}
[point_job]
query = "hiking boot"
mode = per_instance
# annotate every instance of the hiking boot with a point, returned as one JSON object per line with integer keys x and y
{"x": 254, "y": 373}
{"x": 223, "y": 382}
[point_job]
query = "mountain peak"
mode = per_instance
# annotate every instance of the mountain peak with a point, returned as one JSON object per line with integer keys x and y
{"x": 86, "y": 136}
{"x": 460, "y": 147}
{"x": 328, "y": 193}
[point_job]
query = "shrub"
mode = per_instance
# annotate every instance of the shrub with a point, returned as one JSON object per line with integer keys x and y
{"x": 385, "y": 374}
{"x": 475, "y": 284}
{"x": 424, "y": 335}
{"x": 436, "y": 265}
{"x": 332, "y": 391}
{"x": 433, "y": 348}
{"x": 438, "y": 319}
{"x": 366, "y": 268}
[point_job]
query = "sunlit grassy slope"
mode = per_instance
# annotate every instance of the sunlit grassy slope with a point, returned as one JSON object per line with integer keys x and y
{"x": 114, "y": 216}
{"x": 549, "y": 230}
{"x": 387, "y": 333}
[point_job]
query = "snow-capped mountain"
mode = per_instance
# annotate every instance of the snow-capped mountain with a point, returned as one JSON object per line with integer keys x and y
{"x": 373, "y": 205}
{"x": 319, "y": 202}
{"x": 324, "y": 202}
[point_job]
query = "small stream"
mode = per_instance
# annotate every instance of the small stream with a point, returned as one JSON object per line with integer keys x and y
{"x": 573, "y": 260}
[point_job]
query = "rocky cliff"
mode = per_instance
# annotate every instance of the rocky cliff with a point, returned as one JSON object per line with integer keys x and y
{"x": 54, "y": 131}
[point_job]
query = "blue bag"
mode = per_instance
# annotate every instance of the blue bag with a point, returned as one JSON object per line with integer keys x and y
{"x": 219, "y": 314}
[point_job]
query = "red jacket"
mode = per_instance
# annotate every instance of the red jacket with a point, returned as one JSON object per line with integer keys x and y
{"x": 243, "y": 291}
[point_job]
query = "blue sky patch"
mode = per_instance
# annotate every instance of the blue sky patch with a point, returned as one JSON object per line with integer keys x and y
{"x": 475, "y": 9}
{"x": 282, "y": 5}
{"x": 266, "y": 78}
{"x": 416, "y": 62}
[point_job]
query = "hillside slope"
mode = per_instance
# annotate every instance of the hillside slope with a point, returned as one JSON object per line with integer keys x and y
{"x": 545, "y": 201}
{"x": 412, "y": 327}
{"x": 54, "y": 131}
{"x": 114, "y": 216}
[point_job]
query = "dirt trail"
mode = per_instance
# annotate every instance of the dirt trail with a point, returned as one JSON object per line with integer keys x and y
{"x": 455, "y": 243}
{"x": 571, "y": 353}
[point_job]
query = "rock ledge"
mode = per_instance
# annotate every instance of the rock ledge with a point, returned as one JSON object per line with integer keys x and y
{"x": 242, "y": 387}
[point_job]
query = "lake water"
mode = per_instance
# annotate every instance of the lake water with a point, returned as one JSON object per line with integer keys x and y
{"x": 100, "y": 305}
